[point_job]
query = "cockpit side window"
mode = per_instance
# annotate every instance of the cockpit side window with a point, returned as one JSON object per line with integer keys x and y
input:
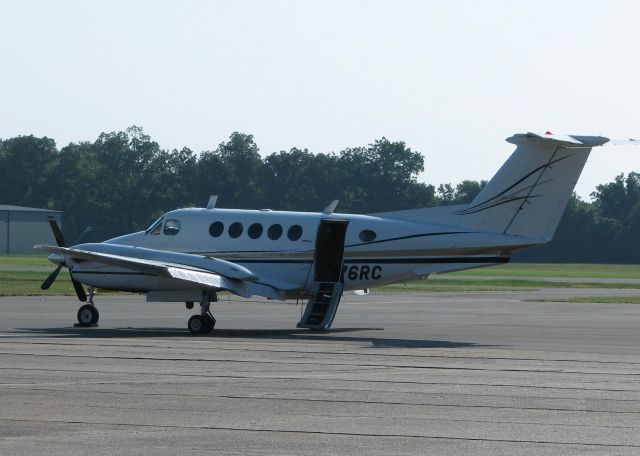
{"x": 155, "y": 227}
{"x": 172, "y": 227}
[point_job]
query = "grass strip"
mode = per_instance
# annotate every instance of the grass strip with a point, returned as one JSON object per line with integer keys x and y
{"x": 567, "y": 270}
{"x": 498, "y": 284}
{"x": 591, "y": 299}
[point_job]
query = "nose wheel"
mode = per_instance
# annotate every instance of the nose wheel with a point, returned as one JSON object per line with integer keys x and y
{"x": 203, "y": 323}
{"x": 88, "y": 314}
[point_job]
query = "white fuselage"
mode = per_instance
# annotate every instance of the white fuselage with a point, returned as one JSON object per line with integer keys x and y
{"x": 279, "y": 248}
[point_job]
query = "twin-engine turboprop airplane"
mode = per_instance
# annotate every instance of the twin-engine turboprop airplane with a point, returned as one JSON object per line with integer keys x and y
{"x": 188, "y": 255}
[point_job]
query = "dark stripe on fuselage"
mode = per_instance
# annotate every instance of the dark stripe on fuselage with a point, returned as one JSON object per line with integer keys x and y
{"x": 447, "y": 260}
{"x": 431, "y": 260}
{"x": 268, "y": 260}
{"x": 411, "y": 236}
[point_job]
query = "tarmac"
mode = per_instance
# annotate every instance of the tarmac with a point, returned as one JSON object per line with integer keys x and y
{"x": 482, "y": 373}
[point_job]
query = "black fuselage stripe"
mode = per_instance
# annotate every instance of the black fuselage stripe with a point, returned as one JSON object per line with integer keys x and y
{"x": 432, "y": 260}
{"x": 429, "y": 260}
{"x": 440, "y": 260}
{"x": 411, "y": 236}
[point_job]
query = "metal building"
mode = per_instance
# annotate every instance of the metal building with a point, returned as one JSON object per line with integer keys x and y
{"x": 23, "y": 227}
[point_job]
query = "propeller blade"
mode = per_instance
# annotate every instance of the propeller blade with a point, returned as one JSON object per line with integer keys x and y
{"x": 56, "y": 232}
{"x": 47, "y": 283}
{"x": 82, "y": 296}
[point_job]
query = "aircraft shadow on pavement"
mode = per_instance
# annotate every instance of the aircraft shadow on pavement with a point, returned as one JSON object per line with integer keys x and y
{"x": 332, "y": 335}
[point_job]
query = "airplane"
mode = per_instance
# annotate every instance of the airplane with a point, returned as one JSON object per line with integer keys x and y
{"x": 189, "y": 255}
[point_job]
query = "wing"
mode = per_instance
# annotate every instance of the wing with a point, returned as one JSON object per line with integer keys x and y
{"x": 241, "y": 281}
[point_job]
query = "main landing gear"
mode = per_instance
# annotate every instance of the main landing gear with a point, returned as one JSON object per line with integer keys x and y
{"x": 88, "y": 314}
{"x": 203, "y": 323}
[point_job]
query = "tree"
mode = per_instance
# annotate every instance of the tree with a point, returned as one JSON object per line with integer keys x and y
{"x": 467, "y": 190}
{"x": 125, "y": 181}
{"x": 26, "y": 163}
{"x": 235, "y": 171}
{"x": 381, "y": 177}
{"x": 299, "y": 180}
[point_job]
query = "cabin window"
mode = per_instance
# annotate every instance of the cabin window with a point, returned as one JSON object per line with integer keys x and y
{"x": 235, "y": 229}
{"x": 255, "y": 231}
{"x": 274, "y": 232}
{"x": 216, "y": 229}
{"x": 367, "y": 236}
{"x": 294, "y": 232}
{"x": 172, "y": 227}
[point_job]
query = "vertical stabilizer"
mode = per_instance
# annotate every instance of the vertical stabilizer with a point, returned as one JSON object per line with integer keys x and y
{"x": 529, "y": 193}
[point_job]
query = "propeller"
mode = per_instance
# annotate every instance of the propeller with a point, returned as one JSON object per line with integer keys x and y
{"x": 52, "y": 277}
{"x": 57, "y": 234}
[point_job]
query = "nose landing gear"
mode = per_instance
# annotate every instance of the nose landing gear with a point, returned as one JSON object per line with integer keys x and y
{"x": 203, "y": 323}
{"x": 88, "y": 314}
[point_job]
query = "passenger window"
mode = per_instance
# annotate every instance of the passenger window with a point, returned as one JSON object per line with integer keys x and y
{"x": 235, "y": 229}
{"x": 274, "y": 232}
{"x": 255, "y": 231}
{"x": 172, "y": 227}
{"x": 216, "y": 229}
{"x": 367, "y": 236}
{"x": 294, "y": 232}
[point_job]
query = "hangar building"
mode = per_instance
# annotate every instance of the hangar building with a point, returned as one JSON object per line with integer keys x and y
{"x": 23, "y": 227}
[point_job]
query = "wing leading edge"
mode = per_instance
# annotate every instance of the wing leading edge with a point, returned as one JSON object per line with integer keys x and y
{"x": 197, "y": 276}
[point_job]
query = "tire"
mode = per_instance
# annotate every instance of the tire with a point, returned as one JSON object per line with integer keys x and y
{"x": 209, "y": 323}
{"x": 96, "y": 316}
{"x": 196, "y": 324}
{"x": 88, "y": 315}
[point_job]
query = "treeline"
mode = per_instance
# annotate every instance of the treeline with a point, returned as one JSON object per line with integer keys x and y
{"x": 606, "y": 230}
{"x": 124, "y": 180}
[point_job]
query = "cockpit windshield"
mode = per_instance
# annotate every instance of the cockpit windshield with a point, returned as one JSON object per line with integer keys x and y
{"x": 154, "y": 228}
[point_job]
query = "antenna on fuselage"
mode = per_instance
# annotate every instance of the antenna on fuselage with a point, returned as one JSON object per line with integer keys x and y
{"x": 212, "y": 202}
{"x": 331, "y": 207}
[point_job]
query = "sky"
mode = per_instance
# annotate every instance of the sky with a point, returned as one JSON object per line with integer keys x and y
{"x": 452, "y": 79}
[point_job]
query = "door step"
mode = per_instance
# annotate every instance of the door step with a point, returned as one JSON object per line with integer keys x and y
{"x": 322, "y": 306}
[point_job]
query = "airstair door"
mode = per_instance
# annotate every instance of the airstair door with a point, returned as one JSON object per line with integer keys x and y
{"x": 326, "y": 289}
{"x": 329, "y": 250}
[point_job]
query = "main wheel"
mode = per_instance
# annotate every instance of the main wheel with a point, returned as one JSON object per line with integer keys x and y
{"x": 196, "y": 324}
{"x": 88, "y": 315}
{"x": 209, "y": 323}
{"x": 200, "y": 325}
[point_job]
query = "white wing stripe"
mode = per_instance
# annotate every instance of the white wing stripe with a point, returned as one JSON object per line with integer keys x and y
{"x": 212, "y": 280}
